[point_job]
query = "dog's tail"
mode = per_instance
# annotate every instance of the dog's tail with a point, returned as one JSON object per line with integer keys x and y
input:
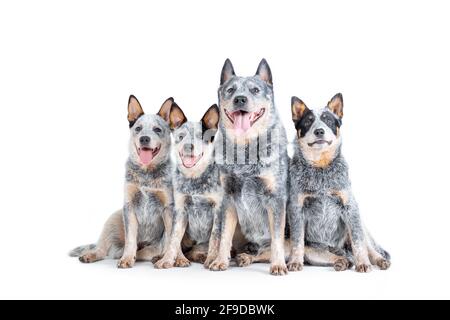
{"x": 79, "y": 251}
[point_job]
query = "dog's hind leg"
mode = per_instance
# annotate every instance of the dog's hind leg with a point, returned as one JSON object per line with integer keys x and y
{"x": 113, "y": 232}
{"x": 263, "y": 256}
{"x": 199, "y": 253}
{"x": 377, "y": 255}
{"x": 324, "y": 258}
{"x": 148, "y": 253}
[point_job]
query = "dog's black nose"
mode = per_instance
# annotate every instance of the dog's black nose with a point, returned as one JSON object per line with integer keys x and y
{"x": 188, "y": 147}
{"x": 319, "y": 133}
{"x": 144, "y": 140}
{"x": 240, "y": 101}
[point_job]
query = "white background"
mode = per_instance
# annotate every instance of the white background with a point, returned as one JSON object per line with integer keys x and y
{"x": 68, "y": 67}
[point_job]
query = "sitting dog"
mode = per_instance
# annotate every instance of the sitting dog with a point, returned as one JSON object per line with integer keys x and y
{"x": 324, "y": 220}
{"x": 139, "y": 231}
{"x": 253, "y": 161}
{"x": 197, "y": 193}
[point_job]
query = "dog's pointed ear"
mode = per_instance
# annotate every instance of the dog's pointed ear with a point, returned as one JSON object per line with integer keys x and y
{"x": 134, "y": 110}
{"x": 227, "y": 72}
{"x": 211, "y": 118}
{"x": 264, "y": 72}
{"x": 164, "y": 111}
{"x": 336, "y": 105}
{"x": 210, "y": 123}
{"x": 298, "y": 108}
{"x": 177, "y": 117}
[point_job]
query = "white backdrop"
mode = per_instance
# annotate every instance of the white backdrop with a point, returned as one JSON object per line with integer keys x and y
{"x": 67, "y": 69}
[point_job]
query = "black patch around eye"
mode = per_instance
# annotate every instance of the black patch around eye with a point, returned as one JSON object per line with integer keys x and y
{"x": 331, "y": 121}
{"x": 305, "y": 123}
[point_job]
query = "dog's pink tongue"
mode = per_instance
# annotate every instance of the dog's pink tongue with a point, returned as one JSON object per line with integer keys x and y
{"x": 146, "y": 156}
{"x": 189, "y": 162}
{"x": 241, "y": 122}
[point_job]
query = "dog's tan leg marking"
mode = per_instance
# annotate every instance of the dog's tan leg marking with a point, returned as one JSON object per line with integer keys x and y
{"x": 168, "y": 224}
{"x": 278, "y": 261}
{"x": 214, "y": 242}
{"x": 316, "y": 256}
{"x": 222, "y": 261}
{"x": 131, "y": 230}
{"x": 129, "y": 255}
{"x": 342, "y": 195}
{"x": 173, "y": 255}
{"x": 269, "y": 182}
{"x": 113, "y": 229}
{"x": 361, "y": 254}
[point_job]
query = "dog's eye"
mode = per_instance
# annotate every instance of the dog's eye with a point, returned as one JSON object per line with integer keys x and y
{"x": 180, "y": 137}
{"x": 157, "y": 130}
{"x": 254, "y": 90}
{"x": 138, "y": 129}
{"x": 230, "y": 90}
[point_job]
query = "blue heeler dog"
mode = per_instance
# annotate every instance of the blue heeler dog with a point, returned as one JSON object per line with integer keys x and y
{"x": 325, "y": 225}
{"x": 197, "y": 192}
{"x": 251, "y": 153}
{"x": 139, "y": 231}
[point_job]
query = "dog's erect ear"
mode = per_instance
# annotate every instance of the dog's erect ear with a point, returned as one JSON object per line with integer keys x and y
{"x": 299, "y": 109}
{"x": 211, "y": 118}
{"x": 134, "y": 110}
{"x": 164, "y": 111}
{"x": 177, "y": 117}
{"x": 336, "y": 105}
{"x": 227, "y": 72}
{"x": 210, "y": 123}
{"x": 264, "y": 72}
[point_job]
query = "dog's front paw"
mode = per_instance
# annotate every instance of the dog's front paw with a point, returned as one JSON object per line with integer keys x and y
{"x": 219, "y": 265}
{"x": 182, "y": 262}
{"x": 164, "y": 263}
{"x": 295, "y": 266}
{"x": 383, "y": 264}
{"x": 341, "y": 264}
{"x": 278, "y": 269}
{"x": 363, "y": 268}
{"x": 209, "y": 260}
{"x": 126, "y": 262}
{"x": 244, "y": 260}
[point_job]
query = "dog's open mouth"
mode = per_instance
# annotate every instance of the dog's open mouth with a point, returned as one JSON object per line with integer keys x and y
{"x": 190, "y": 161}
{"x": 146, "y": 155}
{"x": 319, "y": 142}
{"x": 243, "y": 120}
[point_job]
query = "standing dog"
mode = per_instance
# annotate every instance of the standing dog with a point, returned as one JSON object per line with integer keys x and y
{"x": 139, "y": 230}
{"x": 323, "y": 213}
{"x": 253, "y": 168}
{"x": 197, "y": 193}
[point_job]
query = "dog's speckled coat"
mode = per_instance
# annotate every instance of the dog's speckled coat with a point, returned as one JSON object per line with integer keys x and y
{"x": 255, "y": 185}
{"x": 139, "y": 231}
{"x": 322, "y": 211}
{"x": 198, "y": 193}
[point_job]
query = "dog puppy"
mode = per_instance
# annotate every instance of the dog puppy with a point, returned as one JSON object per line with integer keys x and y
{"x": 197, "y": 192}
{"x": 140, "y": 230}
{"x": 253, "y": 161}
{"x": 324, "y": 220}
